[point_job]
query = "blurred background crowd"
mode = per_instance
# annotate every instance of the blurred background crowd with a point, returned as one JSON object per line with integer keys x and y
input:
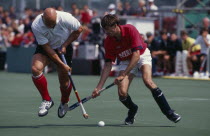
{"x": 170, "y": 45}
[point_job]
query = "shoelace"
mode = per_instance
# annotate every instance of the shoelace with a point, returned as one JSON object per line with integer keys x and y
{"x": 44, "y": 104}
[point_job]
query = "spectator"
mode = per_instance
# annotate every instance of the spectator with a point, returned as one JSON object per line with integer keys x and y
{"x": 60, "y": 8}
{"x": 152, "y": 7}
{"x": 27, "y": 39}
{"x": 86, "y": 15}
{"x": 28, "y": 13}
{"x": 27, "y": 24}
{"x": 163, "y": 44}
{"x": 152, "y": 45}
{"x": 111, "y": 9}
{"x": 141, "y": 10}
{"x": 206, "y": 23}
{"x": 8, "y": 20}
{"x": 172, "y": 48}
{"x": 128, "y": 10}
{"x": 16, "y": 42}
{"x": 75, "y": 10}
{"x": 186, "y": 61}
{"x": 12, "y": 13}
{"x": 2, "y": 24}
{"x": 204, "y": 41}
{"x": 8, "y": 35}
{"x": 1, "y": 11}
{"x": 21, "y": 26}
{"x": 2, "y": 49}
{"x": 119, "y": 8}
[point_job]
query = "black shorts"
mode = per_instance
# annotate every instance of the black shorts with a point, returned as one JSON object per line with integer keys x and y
{"x": 68, "y": 55}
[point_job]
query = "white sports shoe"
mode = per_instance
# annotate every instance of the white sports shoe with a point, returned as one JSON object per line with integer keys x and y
{"x": 62, "y": 110}
{"x": 45, "y": 106}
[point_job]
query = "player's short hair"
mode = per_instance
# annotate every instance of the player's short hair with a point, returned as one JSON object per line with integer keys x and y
{"x": 109, "y": 21}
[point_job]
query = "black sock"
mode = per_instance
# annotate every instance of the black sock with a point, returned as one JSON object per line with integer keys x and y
{"x": 127, "y": 102}
{"x": 161, "y": 101}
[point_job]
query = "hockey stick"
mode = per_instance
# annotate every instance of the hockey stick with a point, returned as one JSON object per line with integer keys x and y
{"x": 89, "y": 97}
{"x": 85, "y": 115}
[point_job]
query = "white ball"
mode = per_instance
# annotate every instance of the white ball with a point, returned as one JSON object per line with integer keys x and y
{"x": 101, "y": 124}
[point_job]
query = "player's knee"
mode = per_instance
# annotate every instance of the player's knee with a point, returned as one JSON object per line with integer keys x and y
{"x": 36, "y": 70}
{"x": 122, "y": 95}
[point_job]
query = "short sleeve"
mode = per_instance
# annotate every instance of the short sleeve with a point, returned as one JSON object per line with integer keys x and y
{"x": 70, "y": 22}
{"x": 109, "y": 52}
{"x": 39, "y": 37}
{"x": 136, "y": 41}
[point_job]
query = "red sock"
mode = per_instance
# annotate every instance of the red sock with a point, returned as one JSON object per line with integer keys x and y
{"x": 65, "y": 93}
{"x": 41, "y": 85}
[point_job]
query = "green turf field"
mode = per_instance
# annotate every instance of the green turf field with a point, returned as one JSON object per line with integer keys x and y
{"x": 19, "y": 102}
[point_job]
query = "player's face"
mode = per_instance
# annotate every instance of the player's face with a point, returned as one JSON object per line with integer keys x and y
{"x": 111, "y": 31}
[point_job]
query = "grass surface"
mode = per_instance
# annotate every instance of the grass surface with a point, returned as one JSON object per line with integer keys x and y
{"x": 19, "y": 102}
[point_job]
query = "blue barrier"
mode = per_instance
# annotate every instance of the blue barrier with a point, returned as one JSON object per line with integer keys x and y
{"x": 19, "y": 59}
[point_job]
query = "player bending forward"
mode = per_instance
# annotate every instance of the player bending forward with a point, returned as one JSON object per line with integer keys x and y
{"x": 54, "y": 30}
{"x": 125, "y": 43}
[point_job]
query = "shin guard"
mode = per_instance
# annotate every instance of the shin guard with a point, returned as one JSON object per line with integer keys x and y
{"x": 41, "y": 84}
{"x": 127, "y": 102}
{"x": 161, "y": 101}
{"x": 65, "y": 93}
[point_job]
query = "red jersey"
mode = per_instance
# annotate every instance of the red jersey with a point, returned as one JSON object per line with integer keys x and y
{"x": 123, "y": 49}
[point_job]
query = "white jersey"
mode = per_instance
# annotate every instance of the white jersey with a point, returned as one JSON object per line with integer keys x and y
{"x": 56, "y": 36}
{"x": 199, "y": 40}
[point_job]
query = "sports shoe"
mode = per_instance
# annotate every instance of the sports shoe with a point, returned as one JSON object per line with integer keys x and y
{"x": 130, "y": 119}
{"x": 174, "y": 117}
{"x": 45, "y": 106}
{"x": 62, "y": 110}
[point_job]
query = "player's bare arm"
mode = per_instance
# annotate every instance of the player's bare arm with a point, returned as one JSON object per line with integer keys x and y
{"x": 134, "y": 60}
{"x": 55, "y": 58}
{"x": 104, "y": 76}
{"x": 72, "y": 37}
